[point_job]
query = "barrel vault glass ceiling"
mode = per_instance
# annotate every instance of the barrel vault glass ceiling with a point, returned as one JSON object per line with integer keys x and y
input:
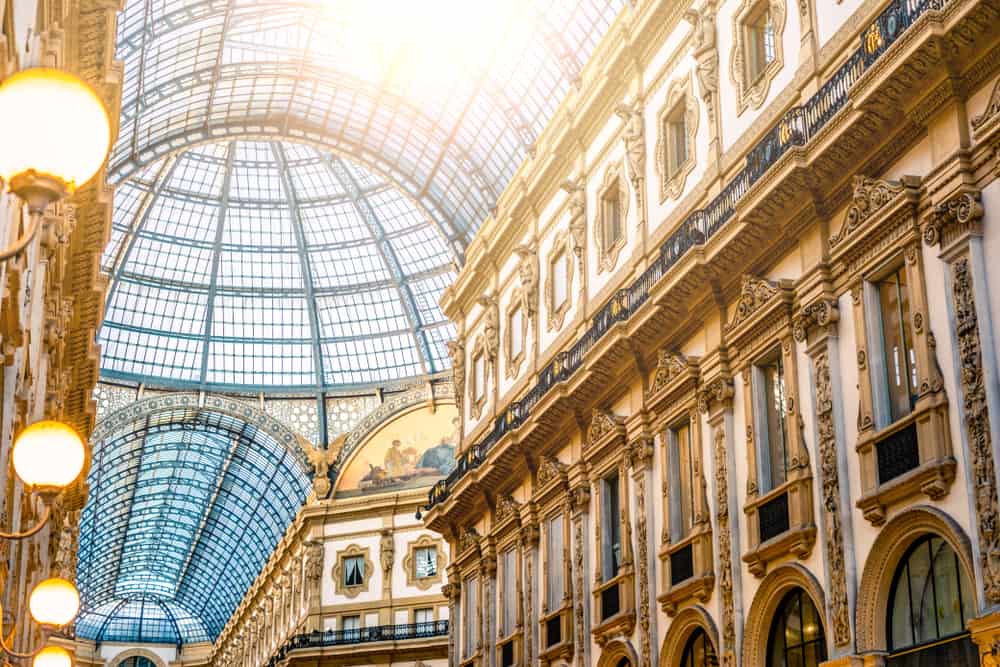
{"x": 184, "y": 510}
{"x": 298, "y": 181}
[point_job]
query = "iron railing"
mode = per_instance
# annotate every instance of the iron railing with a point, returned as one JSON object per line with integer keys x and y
{"x": 795, "y": 128}
{"x": 897, "y": 453}
{"x": 377, "y": 633}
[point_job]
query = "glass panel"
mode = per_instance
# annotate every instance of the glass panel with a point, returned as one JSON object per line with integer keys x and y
{"x": 351, "y": 627}
{"x": 773, "y": 386}
{"x": 471, "y": 620}
{"x": 685, "y": 479}
{"x": 796, "y": 636}
{"x": 479, "y": 368}
{"x": 425, "y": 564}
{"x": 900, "y": 612}
{"x": 422, "y": 616}
{"x": 555, "y": 586}
{"x": 611, "y": 527}
{"x": 354, "y": 570}
{"x": 509, "y": 573}
{"x": 897, "y": 344}
{"x": 516, "y": 324}
{"x": 612, "y": 217}
{"x": 677, "y": 138}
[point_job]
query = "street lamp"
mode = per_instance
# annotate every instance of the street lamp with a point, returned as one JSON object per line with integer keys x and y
{"x": 55, "y": 134}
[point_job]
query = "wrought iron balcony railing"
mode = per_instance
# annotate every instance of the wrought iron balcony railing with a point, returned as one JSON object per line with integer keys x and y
{"x": 795, "y": 128}
{"x": 377, "y": 633}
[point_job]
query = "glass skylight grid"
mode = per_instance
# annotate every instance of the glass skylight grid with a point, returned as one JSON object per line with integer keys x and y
{"x": 183, "y": 512}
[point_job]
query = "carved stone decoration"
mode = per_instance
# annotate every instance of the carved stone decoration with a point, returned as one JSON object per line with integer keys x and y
{"x": 491, "y": 328}
{"x": 830, "y": 481}
{"x": 754, "y": 293}
{"x": 992, "y": 109}
{"x": 528, "y": 539}
{"x": 339, "y": 584}
{"x": 507, "y": 508}
{"x": 314, "y": 561}
{"x": 822, "y": 313}
{"x": 669, "y": 365}
{"x": 387, "y": 556}
{"x": 453, "y": 593}
{"x": 468, "y": 540}
{"x": 527, "y": 271}
{"x": 752, "y": 93}
{"x": 456, "y": 351}
{"x": 614, "y": 188}
{"x": 725, "y": 549}
{"x": 718, "y": 390}
{"x": 321, "y": 460}
{"x": 639, "y": 467}
{"x": 550, "y": 468}
{"x": 977, "y": 425}
{"x": 706, "y": 54}
{"x": 870, "y": 195}
{"x": 602, "y": 422}
{"x": 577, "y": 204}
{"x": 579, "y": 592}
{"x": 634, "y": 137}
{"x": 680, "y": 99}
{"x": 953, "y": 217}
{"x": 562, "y": 249}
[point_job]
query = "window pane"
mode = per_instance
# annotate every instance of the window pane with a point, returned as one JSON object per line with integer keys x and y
{"x": 773, "y": 399}
{"x": 471, "y": 625}
{"x": 897, "y": 343}
{"x": 354, "y": 571}
{"x": 509, "y": 573}
{"x": 685, "y": 479}
{"x": 612, "y": 218}
{"x": 922, "y": 595}
{"x": 423, "y": 616}
{"x": 351, "y": 623}
{"x": 516, "y": 333}
{"x": 426, "y": 562}
{"x": 556, "y": 557}
{"x": 902, "y": 634}
{"x": 611, "y": 528}
{"x": 479, "y": 378}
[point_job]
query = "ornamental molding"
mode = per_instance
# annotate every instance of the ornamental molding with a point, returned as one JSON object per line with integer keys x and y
{"x": 339, "y": 586}
{"x": 468, "y": 541}
{"x": 990, "y": 115}
{"x": 642, "y": 555}
{"x": 755, "y": 294}
{"x": 562, "y": 245}
{"x": 718, "y": 391}
{"x": 977, "y": 426}
{"x": 951, "y": 221}
{"x": 507, "y": 509}
{"x": 551, "y": 469}
{"x": 723, "y": 534}
{"x": 769, "y": 595}
{"x": 706, "y": 54}
{"x": 576, "y": 202}
{"x": 870, "y": 196}
{"x": 185, "y": 406}
{"x": 512, "y": 362}
{"x": 476, "y": 403}
{"x": 679, "y": 94}
{"x": 527, "y": 272}
{"x": 751, "y": 94}
{"x": 491, "y": 328}
{"x": 409, "y": 562}
{"x": 314, "y": 553}
{"x": 605, "y": 426}
{"x": 634, "y": 138}
{"x": 613, "y": 183}
{"x": 829, "y": 474}
{"x": 456, "y": 352}
{"x": 822, "y": 313}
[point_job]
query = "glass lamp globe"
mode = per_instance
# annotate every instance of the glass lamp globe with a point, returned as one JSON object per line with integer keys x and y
{"x": 54, "y": 130}
{"x": 54, "y": 601}
{"x": 48, "y": 454}
{"x": 53, "y": 656}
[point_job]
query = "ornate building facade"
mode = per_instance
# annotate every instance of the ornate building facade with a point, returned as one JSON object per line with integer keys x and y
{"x": 725, "y": 353}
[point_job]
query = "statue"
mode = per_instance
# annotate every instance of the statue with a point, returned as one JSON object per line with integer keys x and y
{"x": 321, "y": 461}
{"x": 635, "y": 148}
{"x": 456, "y": 350}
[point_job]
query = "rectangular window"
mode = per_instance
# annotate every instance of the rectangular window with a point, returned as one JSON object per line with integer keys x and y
{"x": 555, "y": 558}
{"x": 612, "y": 217}
{"x": 611, "y": 528}
{"x": 769, "y": 384}
{"x": 515, "y": 324}
{"x": 760, "y": 41}
{"x": 508, "y": 571}
{"x": 470, "y": 626}
{"x": 682, "y": 486}
{"x": 677, "y": 139}
{"x": 560, "y": 280}
{"x": 354, "y": 571}
{"x": 899, "y": 358}
{"x": 425, "y": 562}
{"x": 423, "y": 618}
{"x": 479, "y": 376}
{"x": 351, "y": 626}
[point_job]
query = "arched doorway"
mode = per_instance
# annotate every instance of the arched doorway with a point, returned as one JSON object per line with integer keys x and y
{"x": 930, "y": 602}
{"x": 796, "y": 637}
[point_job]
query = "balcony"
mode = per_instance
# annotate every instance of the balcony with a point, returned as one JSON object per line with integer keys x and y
{"x": 374, "y": 634}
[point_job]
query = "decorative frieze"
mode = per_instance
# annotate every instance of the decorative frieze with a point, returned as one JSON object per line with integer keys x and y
{"x": 870, "y": 196}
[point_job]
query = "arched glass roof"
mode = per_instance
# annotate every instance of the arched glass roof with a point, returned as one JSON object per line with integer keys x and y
{"x": 184, "y": 509}
{"x": 271, "y": 265}
{"x": 446, "y": 97}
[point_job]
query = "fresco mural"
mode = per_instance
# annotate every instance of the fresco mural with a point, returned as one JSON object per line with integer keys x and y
{"x": 415, "y": 449}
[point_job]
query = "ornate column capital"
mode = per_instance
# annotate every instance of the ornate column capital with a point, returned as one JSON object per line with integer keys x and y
{"x": 821, "y": 313}
{"x": 953, "y": 221}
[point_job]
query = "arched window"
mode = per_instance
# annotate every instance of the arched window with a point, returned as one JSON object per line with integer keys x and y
{"x": 796, "y": 633}
{"x": 699, "y": 652}
{"x": 136, "y": 661}
{"x": 930, "y": 600}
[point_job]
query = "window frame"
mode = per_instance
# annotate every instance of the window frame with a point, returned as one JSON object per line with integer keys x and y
{"x": 801, "y": 597}
{"x": 613, "y": 188}
{"x": 560, "y": 251}
{"x": 339, "y": 572}
{"x": 512, "y": 359}
{"x": 752, "y": 87}
{"x": 551, "y": 497}
{"x": 680, "y": 99}
{"x": 410, "y": 562}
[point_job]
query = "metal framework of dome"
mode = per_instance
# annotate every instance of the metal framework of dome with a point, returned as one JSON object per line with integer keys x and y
{"x": 182, "y": 514}
{"x": 271, "y": 265}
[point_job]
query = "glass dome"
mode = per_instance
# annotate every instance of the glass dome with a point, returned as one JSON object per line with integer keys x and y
{"x": 274, "y": 266}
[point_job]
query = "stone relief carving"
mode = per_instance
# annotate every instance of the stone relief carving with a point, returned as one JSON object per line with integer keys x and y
{"x": 549, "y": 468}
{"x": 578, "y": 578}
{"x": 830, "y": 480}
{"x": 314, "y": 561}
{"x": 456, "y": 351}
{"x": 321, "y": 460}
{"x": 527, "y": 271}
{"x": 468, "y": 539}
{"x": 955, "y": 215}
{"x": 634, "y": 137}
{"x": 870, "y": 195}
{"x": 491, "y": 327}
{"x": 754, "y": 293}
{"x": 821, "y": 313}
{"x": 507, "y": 507}
{"x": 977, "y": 425}
{"x": 669, "y": 365}
{"x": 991, "y": 110}
{"x": 386, "y": 556}
{"x": 639, "y": 464}
{"x": 706, "y": 54}
{"x": 577, "y": 204}
{"x": 602, "y": 422}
